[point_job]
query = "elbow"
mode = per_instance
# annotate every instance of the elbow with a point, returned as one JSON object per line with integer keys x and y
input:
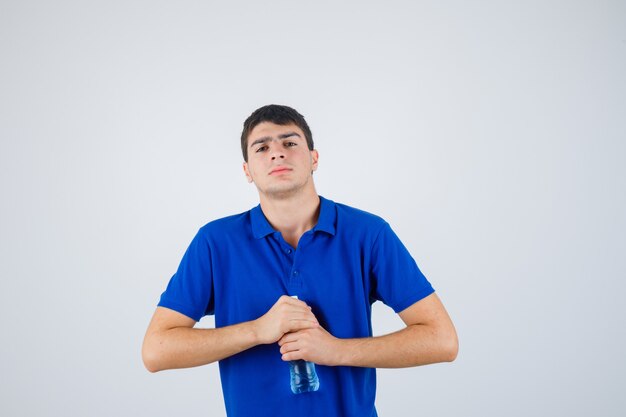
{"x": 151, "y": 365}
{"x": 445, "y": 346}
{"x": 450, "y": 347}
{"x": 150, "y": 358}
{"x": 451, "y": 353}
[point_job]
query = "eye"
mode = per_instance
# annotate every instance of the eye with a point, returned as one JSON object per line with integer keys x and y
{"x": 290, "y": 144}
{"x": 261, "y": 148}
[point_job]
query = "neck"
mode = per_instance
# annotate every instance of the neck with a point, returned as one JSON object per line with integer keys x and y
{"x": 293, "y": 216}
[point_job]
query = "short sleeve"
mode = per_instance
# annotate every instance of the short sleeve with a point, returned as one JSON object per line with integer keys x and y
{"x": 397, "y": 280}
{"x": 190, "y": 290}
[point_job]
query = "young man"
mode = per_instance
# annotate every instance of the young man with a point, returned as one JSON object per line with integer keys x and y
{"x": 338, "y": 260}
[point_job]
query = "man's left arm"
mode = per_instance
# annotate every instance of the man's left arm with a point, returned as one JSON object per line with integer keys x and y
{"x": 429, "y": 337}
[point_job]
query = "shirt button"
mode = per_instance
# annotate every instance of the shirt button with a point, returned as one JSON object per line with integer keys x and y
{"x": 288, "y": 251}
{"x": 295, "y": 272}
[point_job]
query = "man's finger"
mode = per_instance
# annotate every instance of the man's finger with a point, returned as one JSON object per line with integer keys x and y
{"x": 288, "y": 337}
{"x": 300, "y": 315}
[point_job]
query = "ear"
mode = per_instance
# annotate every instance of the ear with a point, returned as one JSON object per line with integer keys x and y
{"x": 315, "y": 156}
{"x": 247, "y": 172}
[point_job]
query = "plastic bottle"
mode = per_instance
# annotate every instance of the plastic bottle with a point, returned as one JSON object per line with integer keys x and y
{"x": 303, "y": 375}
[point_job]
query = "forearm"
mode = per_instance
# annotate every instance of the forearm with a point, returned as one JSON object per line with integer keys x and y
{"x": 412, "y": 346}
{"x": 184, "y": 347}
{"x": 172, "y": 342}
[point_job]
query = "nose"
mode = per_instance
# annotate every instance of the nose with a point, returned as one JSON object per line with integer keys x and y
{"x": 277, "y": 152}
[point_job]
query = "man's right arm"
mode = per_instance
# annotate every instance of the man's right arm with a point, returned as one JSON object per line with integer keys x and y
{"x": 172, "y": 342}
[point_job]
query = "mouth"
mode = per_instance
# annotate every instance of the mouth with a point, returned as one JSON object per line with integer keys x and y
{"x": 279, "y": 170}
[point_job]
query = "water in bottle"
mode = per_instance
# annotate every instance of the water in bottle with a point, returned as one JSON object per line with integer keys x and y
{"x": 303, "y": 376}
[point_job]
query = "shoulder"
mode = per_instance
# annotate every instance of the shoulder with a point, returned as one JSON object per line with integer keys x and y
{"x": 226, "y": 225}
{"x": 355, "y": 219}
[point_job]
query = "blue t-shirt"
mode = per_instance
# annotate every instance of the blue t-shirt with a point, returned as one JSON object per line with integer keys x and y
{"x": 237, "y": 267}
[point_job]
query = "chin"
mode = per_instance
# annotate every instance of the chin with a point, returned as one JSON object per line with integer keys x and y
{"x": 281, "y": 192}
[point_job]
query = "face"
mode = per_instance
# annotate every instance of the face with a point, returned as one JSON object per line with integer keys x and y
{"x": 279, "y": 161}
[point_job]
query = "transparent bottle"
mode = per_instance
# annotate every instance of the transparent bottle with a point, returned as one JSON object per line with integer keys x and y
{"x": 303, "y": 375}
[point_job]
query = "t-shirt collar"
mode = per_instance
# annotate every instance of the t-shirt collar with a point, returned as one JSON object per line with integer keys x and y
{"x": 325, "y": 223}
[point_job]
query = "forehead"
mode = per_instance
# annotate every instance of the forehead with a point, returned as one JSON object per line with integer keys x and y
{"x": 273, "y": 131}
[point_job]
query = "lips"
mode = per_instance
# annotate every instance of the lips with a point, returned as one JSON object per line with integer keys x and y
{"x": 279, "y": 170}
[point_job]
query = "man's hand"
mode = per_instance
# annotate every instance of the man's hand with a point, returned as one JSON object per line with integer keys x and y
{"x": 314, "y": 345}
{"x": 429, "y": 337}
{"x": 286, "y": 315}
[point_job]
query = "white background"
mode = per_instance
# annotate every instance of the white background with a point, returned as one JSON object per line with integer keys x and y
{"x": 490, "y": 135}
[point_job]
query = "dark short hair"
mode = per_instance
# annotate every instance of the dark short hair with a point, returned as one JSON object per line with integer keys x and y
{"x": 277, "y": 114}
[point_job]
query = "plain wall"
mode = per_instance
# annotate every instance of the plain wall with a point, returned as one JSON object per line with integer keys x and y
{"x": 490, "y": 135}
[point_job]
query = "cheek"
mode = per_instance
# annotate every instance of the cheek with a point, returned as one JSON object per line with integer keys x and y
{"x": 254, "y": 167}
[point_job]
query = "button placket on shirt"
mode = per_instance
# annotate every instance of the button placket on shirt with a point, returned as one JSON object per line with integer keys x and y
{"x": 292, "y": 266}
{"x": 289, "y": 255}
{"x": 296, "y": 275}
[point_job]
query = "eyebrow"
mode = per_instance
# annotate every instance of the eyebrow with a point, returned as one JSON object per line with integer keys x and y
{"x": 268, "y": 138}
